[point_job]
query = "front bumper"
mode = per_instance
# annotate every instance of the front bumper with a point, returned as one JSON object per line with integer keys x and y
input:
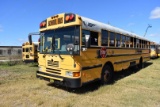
{"x": 64, "y": 81}
{"x": 29, "y": 61}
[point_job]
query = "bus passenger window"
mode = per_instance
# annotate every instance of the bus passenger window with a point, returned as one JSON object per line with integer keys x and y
{"x": 84, "y": 32}
{"x": 23, "y": 49}
{"x": 148, "y": 45}
{"x": 118, "y": 39}
{"x": 94, "y": 38}
{"x": 140, "y": 44}
{"x": 132, "y": 42}
{"x": 123, "y": 41}
{"x": 137, "y": 43}
{"x": 145, "y": 44}
{"x": 112, "y": 39}
{"x": 127, "y": 41}
{"x": 104, "y": 38}
{"x": 27, "y": 49}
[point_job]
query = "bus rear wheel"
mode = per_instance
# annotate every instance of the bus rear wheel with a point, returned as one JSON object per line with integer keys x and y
{"x": 141, "y": 64}
{"x": 107, "y": 75}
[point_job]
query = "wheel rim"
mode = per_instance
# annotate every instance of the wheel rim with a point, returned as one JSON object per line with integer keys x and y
{"x": 106, "y": 76}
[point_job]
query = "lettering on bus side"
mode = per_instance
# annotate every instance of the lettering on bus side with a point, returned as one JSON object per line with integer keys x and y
{"x": 88, "y": 24}
{"x": 55, "y": 21}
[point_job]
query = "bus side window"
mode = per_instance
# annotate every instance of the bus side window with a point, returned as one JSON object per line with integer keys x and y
{"x": 145, "y": 44}
{"x": 104, "y": 39}
{"x": 127, "y": 41}
{"x": 140, "y": 43}
{"x": 137, "y": 43}
{"x": 132, "y": 42}
{"x": 123, "y": 41}
{"x": 112, "y": 39}
{"x": 118, "y": 40}
{"x": 94, "y": 38}
{"x": 84, "y": 32}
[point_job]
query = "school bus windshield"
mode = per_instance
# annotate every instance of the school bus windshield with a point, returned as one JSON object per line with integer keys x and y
{"x": 63, "y": 37}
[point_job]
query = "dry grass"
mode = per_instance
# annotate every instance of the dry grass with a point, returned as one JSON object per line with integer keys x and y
{"x": 19, "y": 87}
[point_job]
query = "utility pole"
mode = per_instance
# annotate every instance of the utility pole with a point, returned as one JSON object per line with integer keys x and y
{"x": 149, "y": 26}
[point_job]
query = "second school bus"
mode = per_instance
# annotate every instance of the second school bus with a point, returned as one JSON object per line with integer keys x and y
{"x": 30, "y": 52}
{"x": 154, "y": 50}
{"x": 75, "y": 50}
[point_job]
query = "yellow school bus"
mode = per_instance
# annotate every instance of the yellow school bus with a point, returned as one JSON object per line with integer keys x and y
{"x": 30, "y": 53}
{"x": 153, "y": 50}
{"x": 76, "y": 50}
{"x": 158, "y": 48}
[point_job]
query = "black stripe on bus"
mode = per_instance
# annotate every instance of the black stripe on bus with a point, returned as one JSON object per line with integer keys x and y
{"x": 146, "y": 57}
{"x": 125, "y": 61}
{"x": 122, "y": 55}
{"x": 43, "y": 73}
{"x": 116, "y": 55}
{"x": 90, "y": 67}
{"x": 127, "y": 54}
{"x": 98, "y": 47}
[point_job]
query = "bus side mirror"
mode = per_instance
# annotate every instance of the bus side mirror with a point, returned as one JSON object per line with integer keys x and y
{"x": 70, "y": 48}
{"x": 87, "y": 41}
{"x": 30, "y": 39}
{"x": 38, "y": 47}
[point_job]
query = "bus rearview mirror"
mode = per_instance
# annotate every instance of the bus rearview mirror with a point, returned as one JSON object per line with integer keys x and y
{"x": 87, "y": 41}
{"x": 30, "y": 39}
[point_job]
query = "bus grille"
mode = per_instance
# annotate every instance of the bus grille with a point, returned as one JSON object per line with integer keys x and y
{"x": 53, "y": 63}
{"x": 53, "y": 71}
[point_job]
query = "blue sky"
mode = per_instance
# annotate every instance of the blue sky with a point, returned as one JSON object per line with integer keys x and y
{"x": 18, "y": 18}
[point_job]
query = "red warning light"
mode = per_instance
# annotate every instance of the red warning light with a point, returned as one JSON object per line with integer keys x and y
{"x": 71, "y": 17}
{"x": 43, "y": 24}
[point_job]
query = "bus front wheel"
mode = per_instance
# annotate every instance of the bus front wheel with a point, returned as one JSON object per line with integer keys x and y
{"x": 107, "y": 75}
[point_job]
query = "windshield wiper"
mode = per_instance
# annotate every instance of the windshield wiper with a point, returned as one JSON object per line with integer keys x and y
{"x": 60, "y": 55}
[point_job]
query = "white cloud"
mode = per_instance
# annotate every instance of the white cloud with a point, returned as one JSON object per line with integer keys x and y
{"x": 155, "y": 14}
{"x": 154, "y": 35}
{"x": 131, "y": 24}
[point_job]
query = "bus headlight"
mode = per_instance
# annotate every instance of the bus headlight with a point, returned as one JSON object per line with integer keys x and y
{"x": 39, "y": 68}
{"x": 69, "y": 73}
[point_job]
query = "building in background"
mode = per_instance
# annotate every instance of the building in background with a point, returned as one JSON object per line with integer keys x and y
{"x": 10, "y": 52}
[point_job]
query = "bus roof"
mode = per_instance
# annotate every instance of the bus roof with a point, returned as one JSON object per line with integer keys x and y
{"x": 98, "y": 26}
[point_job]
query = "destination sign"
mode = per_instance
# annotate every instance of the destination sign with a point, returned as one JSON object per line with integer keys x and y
{"x": 55, "y": 21}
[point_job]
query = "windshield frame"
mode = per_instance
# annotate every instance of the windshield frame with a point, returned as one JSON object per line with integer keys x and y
{"x": 58, "y": 34}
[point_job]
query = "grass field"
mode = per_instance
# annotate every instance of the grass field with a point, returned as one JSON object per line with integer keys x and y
{"x": 19, "y": 87}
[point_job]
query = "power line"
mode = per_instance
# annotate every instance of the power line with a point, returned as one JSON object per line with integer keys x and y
{"x": 149, "y": 26}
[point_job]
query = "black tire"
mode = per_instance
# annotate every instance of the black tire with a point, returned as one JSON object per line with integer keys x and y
{"x": 107, "y": 75}
{"x": 140, "y": 65}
